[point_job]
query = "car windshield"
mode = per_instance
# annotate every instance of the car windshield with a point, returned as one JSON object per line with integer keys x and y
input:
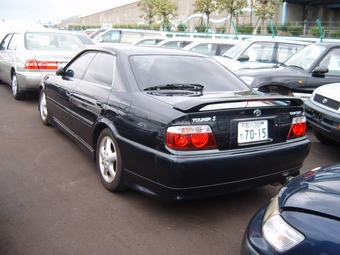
{"x": 306, "y": 57}
{"x": 235, "y": 50}
{"x": 154, "y": 71}
{"x": 52, "y": 41}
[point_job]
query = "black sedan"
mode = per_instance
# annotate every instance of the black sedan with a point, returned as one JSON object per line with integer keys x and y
{"x": 304, "y": 218}
{"x": 315, "y": 65}
{"x": 160, "y": 121}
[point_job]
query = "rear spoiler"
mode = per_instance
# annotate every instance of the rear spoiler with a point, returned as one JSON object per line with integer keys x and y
{"x": 195, "y": 104}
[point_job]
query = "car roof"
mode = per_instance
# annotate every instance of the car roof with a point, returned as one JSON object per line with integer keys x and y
{"x": 128, "y": 50}
{"x": 327, "y": 43}
{"x": 275, "y": 39}
{"x": 221, "y": 41}
{"x": 177, "y": 39}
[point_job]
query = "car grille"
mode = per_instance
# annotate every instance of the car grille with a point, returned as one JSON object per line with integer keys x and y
{"x": 327, "y": 101}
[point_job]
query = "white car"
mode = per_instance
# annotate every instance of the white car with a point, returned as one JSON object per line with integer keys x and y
{"x": 176, "y": 42}
{"x": 257, "y": 52}
{"x": 28, "y": 56}
{"x": 149, "y": 41}
{"x": 211, "y": 47}
{"x": 125, "y": 36}
{"x": 323, "y": 113}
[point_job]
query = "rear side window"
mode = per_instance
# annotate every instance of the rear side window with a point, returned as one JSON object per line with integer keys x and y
{"x": 111, "y": 37}
{"x": 5, "y": 41}
{"x": 206, "y": 49}
{"x": 285, "y": 51}
{"x": 13, "y": 43}
{"x": 130, "y": 37}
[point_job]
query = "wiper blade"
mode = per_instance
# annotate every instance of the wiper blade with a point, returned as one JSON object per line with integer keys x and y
{"x": 177, "y": 86}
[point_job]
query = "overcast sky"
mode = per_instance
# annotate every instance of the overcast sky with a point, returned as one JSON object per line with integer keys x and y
{"x": 53, "y": 11}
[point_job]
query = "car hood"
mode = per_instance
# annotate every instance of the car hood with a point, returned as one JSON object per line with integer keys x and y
{"x": 329, "y": 90}
{"x": 274, "y": 71}
{"x": 235, "y": 65}
{"x": 317, "y": 191}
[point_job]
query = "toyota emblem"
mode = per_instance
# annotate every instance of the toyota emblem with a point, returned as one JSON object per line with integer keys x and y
{"x": 324, "y": 101}
{"x": 257, "y": 113}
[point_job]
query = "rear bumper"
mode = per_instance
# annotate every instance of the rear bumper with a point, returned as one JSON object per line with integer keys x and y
{"x": 323, "y": 121}
{"x": 198, "y": 176}
{"x": 29, "y": 81}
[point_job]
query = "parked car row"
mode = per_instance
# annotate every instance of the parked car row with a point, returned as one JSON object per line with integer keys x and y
{"x": 259, "y": 52}
{"x": 202, "y": 132}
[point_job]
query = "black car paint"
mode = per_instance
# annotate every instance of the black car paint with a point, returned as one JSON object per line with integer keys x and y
{"x": 309, "y": 203}
{"x": 139, "y": 121}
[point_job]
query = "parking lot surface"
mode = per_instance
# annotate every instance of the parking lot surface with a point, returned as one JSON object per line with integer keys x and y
{"x": 52, "y": 200}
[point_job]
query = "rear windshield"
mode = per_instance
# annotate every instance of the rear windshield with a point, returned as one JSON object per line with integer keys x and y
{"x": 157, "y": 70}
{"x": 52, "y": 41}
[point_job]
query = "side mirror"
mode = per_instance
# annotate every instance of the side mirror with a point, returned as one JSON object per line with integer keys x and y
{"x": 243, "y": 58}
{"x": 69, "y": 73}
{"x": 320, "y": 71}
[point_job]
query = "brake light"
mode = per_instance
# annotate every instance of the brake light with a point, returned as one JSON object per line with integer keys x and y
{"x": 35, "y": 65}
{"x": 190, "y": 137}
{"x": 298, "y": 127}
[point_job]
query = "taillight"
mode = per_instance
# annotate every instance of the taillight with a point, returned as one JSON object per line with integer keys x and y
{"x": 298, "y": 127}
{"x": 190, "y": 137}
{"x": 33, "y": 64}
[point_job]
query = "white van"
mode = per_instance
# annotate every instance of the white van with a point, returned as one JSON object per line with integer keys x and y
{"x": 127, "y": 36}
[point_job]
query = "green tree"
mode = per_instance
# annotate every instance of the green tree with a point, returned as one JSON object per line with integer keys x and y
{"x": 232, "y": 7}
{"x": 165, "y": 9}
{"x": 264, "y": 9}
{"x": 205, "y": 7}
{"x": 149, "y": 8}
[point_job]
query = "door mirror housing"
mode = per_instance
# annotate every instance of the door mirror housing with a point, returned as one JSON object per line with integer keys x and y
{"x": 243, "y": 57}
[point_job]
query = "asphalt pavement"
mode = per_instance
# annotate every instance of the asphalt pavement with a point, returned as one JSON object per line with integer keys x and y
{"x": 52, "y": 200}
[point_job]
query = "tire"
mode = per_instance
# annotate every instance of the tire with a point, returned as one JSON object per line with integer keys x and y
{"x": 43, "y": 110}
{"x": 15, "y": 88}
{"x": 109, "y": 162}
{"x": 323, "y": 139}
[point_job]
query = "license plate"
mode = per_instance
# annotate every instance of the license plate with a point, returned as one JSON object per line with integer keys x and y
{"x": 252, "y": 131}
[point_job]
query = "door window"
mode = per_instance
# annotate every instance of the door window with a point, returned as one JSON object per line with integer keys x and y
{"x": 286, "y": 50}
{"x": 261, "y": 52}
{"x": 100, "y": 71}
{"x": 78, "y": 67}
{"x": 332, "y": 62}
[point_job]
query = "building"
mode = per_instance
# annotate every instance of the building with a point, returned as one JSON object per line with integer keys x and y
{"x": 292, "y": 11}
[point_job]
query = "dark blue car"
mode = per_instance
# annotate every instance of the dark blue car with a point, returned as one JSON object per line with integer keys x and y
{"x": 304, "y": 218}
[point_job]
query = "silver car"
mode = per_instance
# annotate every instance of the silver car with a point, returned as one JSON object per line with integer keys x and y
{"x": 27, "y": 56}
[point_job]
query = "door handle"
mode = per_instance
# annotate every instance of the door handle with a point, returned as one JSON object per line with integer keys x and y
{"x": 100, "y": 104}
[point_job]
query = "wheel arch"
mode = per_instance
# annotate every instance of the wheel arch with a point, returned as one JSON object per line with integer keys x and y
{"x": 12, "y": 71}
{"x": 100, "y": 126}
